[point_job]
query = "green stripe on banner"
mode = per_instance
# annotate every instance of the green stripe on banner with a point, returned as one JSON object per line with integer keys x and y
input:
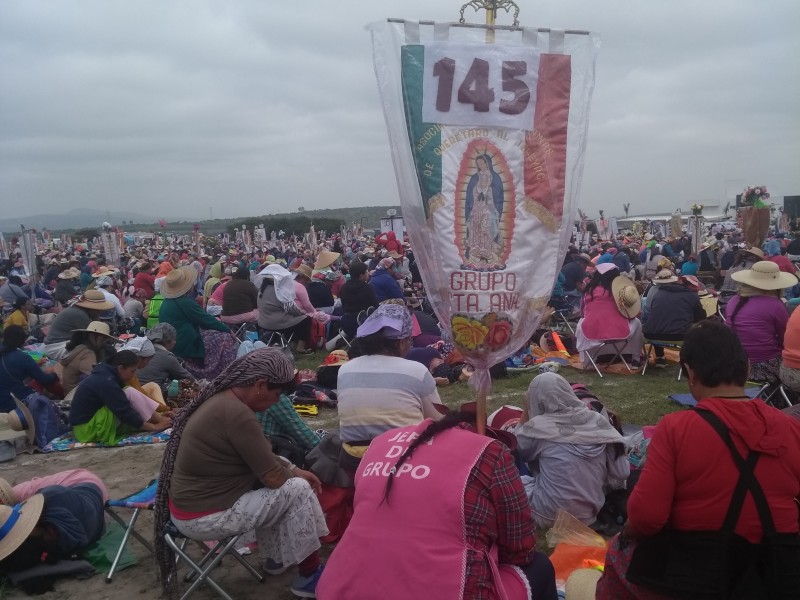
{"x": 424, "y": 137}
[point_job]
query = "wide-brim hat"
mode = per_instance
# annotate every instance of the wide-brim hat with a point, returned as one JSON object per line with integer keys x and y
{"x": 709, "y": 243}
{"x": 582, "y": 584}
{"x": 664, "y": 276}
{"x": 7, "y": 495}
{"x": 103, "y": 270}
{"x": 17, "y": 522}
{"x": 71, "y": 273}
{"x": 94, "y": 300}
{"x": 765, "y": 275}
{"x": 98, "y": 327}
{"x": 21, "y": 420}
{"x": 178, "y": 282}
{"x": 755, "y": 252}
{"x": 335, "y": 359}
{"x": 304, "y": 270}
{"x": 629, "y": 303}
{"x": 325, "y": 259}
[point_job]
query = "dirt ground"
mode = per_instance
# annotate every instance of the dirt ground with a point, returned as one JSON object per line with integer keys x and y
{"x": 124, "y": 471}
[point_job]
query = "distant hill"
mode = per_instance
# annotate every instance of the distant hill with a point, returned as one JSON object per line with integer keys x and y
{"x": 368, "y": 216}
{"x": 73, "y": 219}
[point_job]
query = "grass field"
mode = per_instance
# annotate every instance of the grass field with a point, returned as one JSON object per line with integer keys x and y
{"x": 637, "y": 399}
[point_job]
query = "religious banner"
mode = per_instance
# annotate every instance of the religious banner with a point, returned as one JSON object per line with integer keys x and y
{"x": 27, "y": 242}
{"x": 110, "y": 247}
{"x": 487, "y": 139}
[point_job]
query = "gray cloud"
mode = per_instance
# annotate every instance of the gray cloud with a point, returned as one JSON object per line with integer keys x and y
{"x": 168, "y": 108}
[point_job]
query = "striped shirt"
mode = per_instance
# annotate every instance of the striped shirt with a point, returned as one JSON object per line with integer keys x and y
{"x": 378, "y": 393}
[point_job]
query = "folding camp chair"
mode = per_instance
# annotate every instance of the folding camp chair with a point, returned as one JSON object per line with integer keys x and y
{"x": 676, "y": 345}
{"x": 276, "y": 338}
{"x": 201, "y": 570}
{"x": 775, "y": 394}
{"x": 144, "y": 499}
{"x": 617, "y": 345}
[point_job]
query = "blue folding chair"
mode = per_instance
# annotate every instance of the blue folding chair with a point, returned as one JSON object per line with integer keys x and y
{"x": 144, "y": 499}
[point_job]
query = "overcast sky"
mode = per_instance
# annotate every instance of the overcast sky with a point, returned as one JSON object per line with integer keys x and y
{"x": 169, "y": 108}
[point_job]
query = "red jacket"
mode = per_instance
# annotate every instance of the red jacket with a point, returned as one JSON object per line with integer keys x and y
{"x": 146, "y": 282}
{"x": 389, "y": 240}
{"x": 689, "y": 476}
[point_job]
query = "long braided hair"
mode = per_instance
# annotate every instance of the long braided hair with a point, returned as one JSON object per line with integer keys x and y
{"x": 265, "y": 363}
{"x": 449, "y": 421}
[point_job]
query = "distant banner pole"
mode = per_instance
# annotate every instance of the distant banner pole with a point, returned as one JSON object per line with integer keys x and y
{"x": 488, "y": 136}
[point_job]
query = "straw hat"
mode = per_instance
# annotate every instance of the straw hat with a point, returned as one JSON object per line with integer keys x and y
{"x": 7, "y": 495}
{"x": 178, "y": 282}
{"x": 304, "y": 270}
{"x": 17, "y": 522}
{"x": 98, "y": 327}
{"x": 629, "y": 302}
{"x": 335, "y": 359}
{"x": 755, "y": 252}
{"x": 21, "y": 419}
{"x": 103, "y": 270}
{"x": 71, "y": 273}
{"x": 765, "y": 275}
{"x": 664, "y": 276}
{"x": 94, "y": 300}
{"x": 325, "y": 259}
{"x": 582, "y": 584}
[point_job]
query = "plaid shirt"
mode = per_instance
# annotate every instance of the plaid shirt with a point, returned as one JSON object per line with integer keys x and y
{"x": 282, "y": 419}
{"x": 497, "y": 513}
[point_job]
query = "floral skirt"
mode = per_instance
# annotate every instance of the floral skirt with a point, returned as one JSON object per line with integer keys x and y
{"x": 768, "y": 370}
{"x": 220, "y": 352}
{"x": 287, "y": 521}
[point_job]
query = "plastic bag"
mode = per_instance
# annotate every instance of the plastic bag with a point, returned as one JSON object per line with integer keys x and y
{"x": 575, "y": 544}
{"x": 570, "y": 530}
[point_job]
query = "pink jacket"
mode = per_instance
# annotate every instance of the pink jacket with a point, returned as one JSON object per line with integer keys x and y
{"x": 601, "y": 317}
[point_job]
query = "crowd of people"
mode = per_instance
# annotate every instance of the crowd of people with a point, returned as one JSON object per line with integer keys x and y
{"x": 116, "y": 338}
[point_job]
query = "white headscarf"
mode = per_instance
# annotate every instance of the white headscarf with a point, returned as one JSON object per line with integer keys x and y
{"x": 284, "y": 282}
{"x": 555, "y": 413}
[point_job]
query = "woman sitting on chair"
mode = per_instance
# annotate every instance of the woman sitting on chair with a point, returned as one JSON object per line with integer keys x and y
{"x": 201, "y": 338}
{"x": 219, "y": 477}
{"x": 671, "y": 312}
{"x": 356, "y": 295}
{"x": 278, "y": 311}
{"x": 239, "y": 299}
{"x": 690, "y": 484}
{"x": 758, "y": 317}
{"x": 610, "y": 306}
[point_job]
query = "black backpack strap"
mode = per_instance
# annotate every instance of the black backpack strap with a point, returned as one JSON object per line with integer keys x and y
{"x": 747, "y": 480}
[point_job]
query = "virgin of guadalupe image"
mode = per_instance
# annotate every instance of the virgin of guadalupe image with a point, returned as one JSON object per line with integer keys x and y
{"x": 483, "y": 208}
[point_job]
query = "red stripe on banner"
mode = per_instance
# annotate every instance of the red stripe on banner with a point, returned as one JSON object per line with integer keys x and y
{"x": 546, "y": 145}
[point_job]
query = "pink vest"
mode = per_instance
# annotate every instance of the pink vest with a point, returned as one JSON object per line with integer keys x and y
{"x": 413, "y": 545}
{"x": 602, "y": 319}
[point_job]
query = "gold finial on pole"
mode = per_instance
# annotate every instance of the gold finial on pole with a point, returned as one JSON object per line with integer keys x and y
{"x": 491, "y": 7}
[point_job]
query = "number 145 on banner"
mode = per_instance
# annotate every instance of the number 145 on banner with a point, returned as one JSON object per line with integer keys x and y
{"x": 480, "y": 85}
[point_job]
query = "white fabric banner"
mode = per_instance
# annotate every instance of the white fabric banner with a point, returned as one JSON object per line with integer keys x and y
{"x": 488, "y": 142}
